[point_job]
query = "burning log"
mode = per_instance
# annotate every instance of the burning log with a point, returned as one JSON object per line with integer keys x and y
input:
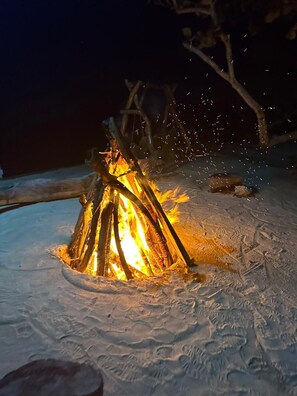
{"x": 118, "y": 240}
{"x": 143, "y": 181}
{"x": 122, "y": 231}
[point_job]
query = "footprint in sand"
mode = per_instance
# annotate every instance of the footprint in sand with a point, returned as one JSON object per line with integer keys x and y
{"x": 269, "y": 235}
{"x": 230, "y": 342}
{"x": 123, "y": 367}
{"x": 164, "y": 352}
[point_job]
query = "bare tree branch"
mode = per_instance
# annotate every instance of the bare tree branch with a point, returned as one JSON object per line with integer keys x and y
{"x": 276, "y": 139}
{"x": 229, "y": 56}
{"x": 207, "y": 60}
{"x": 231, "y": 79}
{"x": 194, "y": 10}
{"x": 208, "y": 7}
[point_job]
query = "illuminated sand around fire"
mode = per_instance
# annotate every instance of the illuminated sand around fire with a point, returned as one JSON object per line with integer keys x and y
{"x": 233, "y": 333}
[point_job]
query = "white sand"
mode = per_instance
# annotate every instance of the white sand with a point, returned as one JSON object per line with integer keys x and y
{"x": 233, "y": 334}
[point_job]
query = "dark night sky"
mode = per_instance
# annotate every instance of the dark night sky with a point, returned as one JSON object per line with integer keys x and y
{"x": 62, "y": 69}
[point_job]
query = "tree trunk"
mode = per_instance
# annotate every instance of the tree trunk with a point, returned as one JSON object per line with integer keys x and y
{"x": 257, "y": 108}
{"x": 208, "y": 8}
{"x": 229, "y": 76}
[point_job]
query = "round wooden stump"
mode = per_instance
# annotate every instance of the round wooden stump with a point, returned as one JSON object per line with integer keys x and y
{"x": 52, "y": 377}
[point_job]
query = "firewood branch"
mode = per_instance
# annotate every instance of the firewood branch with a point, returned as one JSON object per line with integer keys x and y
{"x": 133, "y": 91}
{"x": 82, "y": 265}
{"x": 276, "y": 139}
{"x": 112, "y": 181}
{"x": 79, "y": 234}
{"x": 148, "y": 127}
{"x": 123, "y": 261}
{"x": 141, "y": 179}
{"x": 105, "y": 237}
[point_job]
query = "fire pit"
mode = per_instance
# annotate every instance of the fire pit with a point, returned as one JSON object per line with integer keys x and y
{"x": 122, "y": 231}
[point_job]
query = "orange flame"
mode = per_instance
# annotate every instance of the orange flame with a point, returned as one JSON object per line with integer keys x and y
{"x": 133, "y": 231}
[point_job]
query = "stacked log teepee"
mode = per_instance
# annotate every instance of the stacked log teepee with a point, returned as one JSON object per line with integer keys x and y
{"x": 119, "y": 189}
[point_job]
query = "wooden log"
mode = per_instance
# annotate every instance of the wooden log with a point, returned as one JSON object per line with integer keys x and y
{"x": 105, "y": 237}
{"x": 154, "y": 255}
{"x": 80, "y": 231}
{"x": 137, "y": 272}
{"x": 157, "y": 252}
{"x": 146, "y": 261}
{"x": 133, "y": 90}
{"x": 84, "y": 261}
{"x": 131, "y": 179}
{"x": 118, "y": 241}
{"x": 113, "y": 182}
{"x": 85, "y": 226}
{"x": 141, "y": 179}
{"x": 42, "y": 190}
{"x": 161, "y": 258}
{"x": 80, "y": 227}
{"x": 148, "y": 126}
{"x": 154, "y": 227}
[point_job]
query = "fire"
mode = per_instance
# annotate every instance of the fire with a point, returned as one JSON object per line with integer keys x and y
{"x": 124, "y": 230}
{"x": 133, "y": 231}
{"x": 171, "y": 197}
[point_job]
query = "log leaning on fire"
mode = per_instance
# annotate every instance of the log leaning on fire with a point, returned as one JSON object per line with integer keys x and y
{"x": 123, "y": 261}
{"x": 77, "y": 240}
{"x": 79, "y": 234}
{"x": 99, "y": 218}
{"x": 113, "y": 133}
{"x": 105, "y": 237}
{"x": 110, "y": 180}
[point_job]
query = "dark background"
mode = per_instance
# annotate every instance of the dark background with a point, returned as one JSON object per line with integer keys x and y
{"x": 63, "y": 65}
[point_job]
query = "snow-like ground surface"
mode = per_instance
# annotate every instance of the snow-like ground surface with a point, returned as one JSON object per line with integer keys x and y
{"x": 234, "y": 333}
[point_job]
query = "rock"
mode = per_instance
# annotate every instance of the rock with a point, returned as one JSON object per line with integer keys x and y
{"x": 52, "y": 377}
{"x": 224, "y": 182}
{"x": 243, "y": 191}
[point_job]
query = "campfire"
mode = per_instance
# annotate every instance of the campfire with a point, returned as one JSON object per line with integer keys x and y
{"x": 122, "y": 231}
